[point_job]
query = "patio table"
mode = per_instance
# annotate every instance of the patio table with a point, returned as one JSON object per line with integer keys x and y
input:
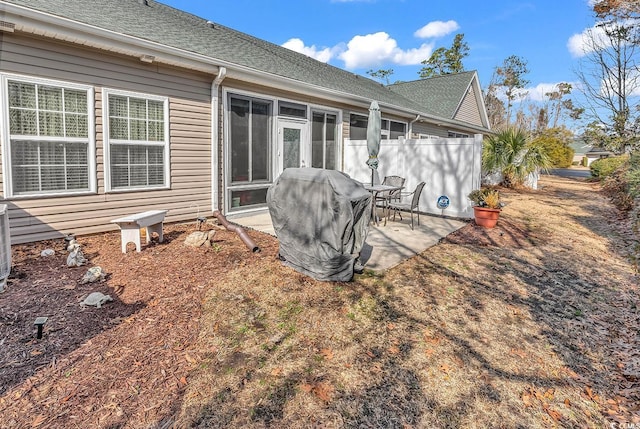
{"x": 375, "y": 190}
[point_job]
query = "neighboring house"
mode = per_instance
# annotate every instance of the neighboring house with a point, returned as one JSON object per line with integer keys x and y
{"x": 580, "y": 149}
{"x": 110, "y": 108}
{"x": 455, "y": 97}
{"x": 595, "y": 153}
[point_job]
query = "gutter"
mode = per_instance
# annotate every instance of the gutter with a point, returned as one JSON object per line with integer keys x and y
{"x": 411, "y": 126}
{"x": 215, "y": 136}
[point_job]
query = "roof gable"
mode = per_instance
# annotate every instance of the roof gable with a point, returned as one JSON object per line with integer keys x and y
{"x": 439, "y": 95}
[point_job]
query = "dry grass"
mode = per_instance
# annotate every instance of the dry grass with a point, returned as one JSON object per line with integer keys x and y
{"x": 532, "y": 334}
{"x": 533, "y": 324}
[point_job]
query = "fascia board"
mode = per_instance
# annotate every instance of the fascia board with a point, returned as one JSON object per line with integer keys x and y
{"x": 480, "y": 101}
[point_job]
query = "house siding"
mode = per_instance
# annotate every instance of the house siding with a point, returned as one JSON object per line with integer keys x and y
{"x": 427, "y": 128}
{"x": 189, "y": 101}
{"x": 468, "y": 111}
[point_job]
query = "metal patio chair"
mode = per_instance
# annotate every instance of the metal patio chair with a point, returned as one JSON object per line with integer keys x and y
{"x": 397, "y": 207}
{"x": 385, "y": 197}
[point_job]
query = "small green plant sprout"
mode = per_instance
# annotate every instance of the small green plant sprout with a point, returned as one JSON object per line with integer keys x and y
{"x": 486, "y": 197}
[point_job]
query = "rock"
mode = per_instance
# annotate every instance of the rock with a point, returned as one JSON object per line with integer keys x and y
{"x": 96, "y": 299}
{"x": 92, "y": 275}
{"x": 47, "y": 252}
{"x": 200, "y": 238}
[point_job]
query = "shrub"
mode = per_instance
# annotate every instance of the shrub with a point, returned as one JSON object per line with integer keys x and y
{"x": 623, "y": 184}
{"x": 556, "y": 141}
{"x": 511, "y": 153}
{"x": 633, "y": 176}
{"x": 603, "y": 168}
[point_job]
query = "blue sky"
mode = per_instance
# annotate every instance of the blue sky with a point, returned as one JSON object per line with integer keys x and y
{"x": 358, "y": 35}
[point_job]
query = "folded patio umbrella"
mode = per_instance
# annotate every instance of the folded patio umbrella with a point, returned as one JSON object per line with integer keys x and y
{"x": 373, "y": 137}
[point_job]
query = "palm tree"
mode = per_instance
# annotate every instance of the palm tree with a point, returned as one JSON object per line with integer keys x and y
{"x": 511, "y": 153}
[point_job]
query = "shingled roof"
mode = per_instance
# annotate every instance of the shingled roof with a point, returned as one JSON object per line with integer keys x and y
{"x": 151, "y": 21}
{"x": 155, "y": 22}
{"x": 439, "y": 95}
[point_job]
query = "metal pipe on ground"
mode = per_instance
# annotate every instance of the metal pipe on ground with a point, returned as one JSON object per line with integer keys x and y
{"x": 251, "y": 245}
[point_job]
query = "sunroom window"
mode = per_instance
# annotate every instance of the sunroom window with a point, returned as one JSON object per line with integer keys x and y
{"x": 388, "y": 129}
{"x": 250, "y": 128}
{"x": 456, "y": 134}
{"x": 358, "y": 127}
{"x": 50, "y": 143}
{"x": 137, "y": 141}
{"x": 324, "y": 143}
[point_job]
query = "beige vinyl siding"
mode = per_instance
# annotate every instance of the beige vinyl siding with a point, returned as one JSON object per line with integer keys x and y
{"x": 429, "y": 129}
{"x": 189, "y": 118}
{"x": 468, "y": 111}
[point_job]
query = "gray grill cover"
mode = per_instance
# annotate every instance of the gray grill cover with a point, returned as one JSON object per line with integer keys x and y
{"x": 321, "y": 219}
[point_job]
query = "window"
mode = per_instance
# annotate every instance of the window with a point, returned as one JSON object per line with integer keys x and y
{"x": 294, "y": 110}
{"x": 50, "y": 137}
{"x": 323, "y": 141}
{"x": 454, "y": 134}
{"x": 397, "y": 130}
{"x": 391, "y": 130}
{"x": 250, "y": 150}
{"x": 136, "y": 141}
{"x": 358, "y": 127}
{"x": 250, "y": 136}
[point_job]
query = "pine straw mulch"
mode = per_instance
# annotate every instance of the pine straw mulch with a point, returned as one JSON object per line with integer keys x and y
{"x": 532, "y": 324}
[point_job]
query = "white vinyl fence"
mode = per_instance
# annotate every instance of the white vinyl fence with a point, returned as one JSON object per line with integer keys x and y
{"x": 450, "y": 167}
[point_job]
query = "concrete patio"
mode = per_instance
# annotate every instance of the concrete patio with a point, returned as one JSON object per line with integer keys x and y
{"x": 385, "y": 246}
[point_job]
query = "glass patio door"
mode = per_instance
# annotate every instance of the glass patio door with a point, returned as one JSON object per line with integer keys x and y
{"x": 293, "y": 146}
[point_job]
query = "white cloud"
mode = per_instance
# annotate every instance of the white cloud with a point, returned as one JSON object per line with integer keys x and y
{"x": 581, "y": 44}
{"x": 590, "y": 39}
{"x": 324, "y": 55}
{"x": 378, "y": 48}
{"x": 437, "y": 29}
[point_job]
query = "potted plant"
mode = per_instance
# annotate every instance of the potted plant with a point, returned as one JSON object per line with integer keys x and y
{"x": 486, "y": 206}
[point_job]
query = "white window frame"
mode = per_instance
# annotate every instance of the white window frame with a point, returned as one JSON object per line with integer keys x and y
{"x": 338, "y": 136}
{"x": 106, "y": 92}
{"x": 5, "y": 132}
{"x": 406, "y": 127}
{"x": 364, "y": 115}
{"x": 228, "y": 188}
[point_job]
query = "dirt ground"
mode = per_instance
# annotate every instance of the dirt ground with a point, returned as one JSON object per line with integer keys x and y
{"x": 532, "y": 324}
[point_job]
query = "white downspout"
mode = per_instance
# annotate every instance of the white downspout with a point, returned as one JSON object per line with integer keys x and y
{"x": 215, "y": 121}
{"x": 411, "y": 126}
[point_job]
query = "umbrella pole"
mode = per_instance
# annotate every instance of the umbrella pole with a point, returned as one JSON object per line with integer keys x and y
{"x": 372, "y": 177}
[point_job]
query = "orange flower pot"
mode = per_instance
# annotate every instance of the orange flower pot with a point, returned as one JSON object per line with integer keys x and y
{"x": 486, "y": 217}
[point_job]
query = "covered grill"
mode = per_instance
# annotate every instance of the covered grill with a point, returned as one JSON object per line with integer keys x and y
{"x": 321, "y": 219}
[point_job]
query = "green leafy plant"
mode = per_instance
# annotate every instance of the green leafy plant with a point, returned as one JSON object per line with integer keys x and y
{"x": 620, "y": 178}
{"x": 604, "y": 167}
{"x": 511, "y": 153}
{"x": 486, "y": 197}
{"x": 556, "y": 143}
